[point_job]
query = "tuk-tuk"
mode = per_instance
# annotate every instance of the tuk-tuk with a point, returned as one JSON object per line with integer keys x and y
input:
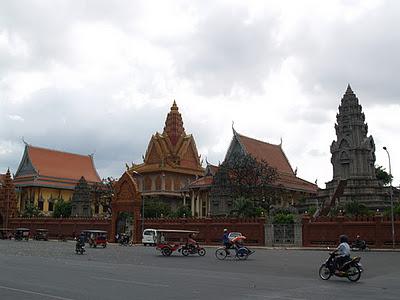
{"x": 22, "y": 234}
{"x": 5, "y": 233}
{"x": 169, "y": 240}
{"x": 96, "y": 238}
{"x": 41, "y": 234}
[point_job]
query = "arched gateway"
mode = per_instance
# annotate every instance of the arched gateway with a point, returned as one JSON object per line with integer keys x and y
{"x": 126, "y": 201}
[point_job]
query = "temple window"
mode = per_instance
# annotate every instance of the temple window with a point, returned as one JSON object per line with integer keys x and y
{"x": 51, "y": 205}
{"x": 40, "y": 204}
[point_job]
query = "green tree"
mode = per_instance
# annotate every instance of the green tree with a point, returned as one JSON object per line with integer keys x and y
{"x": 354, "y": 208}
{"x": 62, "y": 209}
{"x": 382, "y": 175}
{"x": 245, "y": 208}
{"x": 31, "y": 210}
{"x": 244, "y": 177}
{"x": 154, "y": 208}
{"x": 182, "y": 211}
{"x": 284, "y": 218}
{"x": 103, "y": 193}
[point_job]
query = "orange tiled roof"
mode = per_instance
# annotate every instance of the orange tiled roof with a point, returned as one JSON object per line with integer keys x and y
{"x": 272, "y": 154}
{"x": 58, "y": 164}
{"x": 276, "y": 158}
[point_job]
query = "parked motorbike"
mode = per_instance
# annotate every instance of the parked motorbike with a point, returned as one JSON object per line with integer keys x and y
{"x": 351, "y": 269}
{"x": 192, "y": 249}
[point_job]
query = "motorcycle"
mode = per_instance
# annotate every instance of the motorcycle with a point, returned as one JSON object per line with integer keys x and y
{"x": 79, "y": 248}
{"x": 124, "y": 241}
{"x": 192, "y": 249}
{"x": 359, "y": 245}
{"x": 351, "y": 269}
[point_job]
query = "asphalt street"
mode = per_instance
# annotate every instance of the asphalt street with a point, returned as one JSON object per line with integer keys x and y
{"x": 51, "y": 270}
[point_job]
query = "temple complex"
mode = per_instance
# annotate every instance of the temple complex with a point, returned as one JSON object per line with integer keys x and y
{"x": 46, "y": 175}
{"x": 353, "y": 161}
{"x": 170, "y": 164}
{"x": 291, "y": 188}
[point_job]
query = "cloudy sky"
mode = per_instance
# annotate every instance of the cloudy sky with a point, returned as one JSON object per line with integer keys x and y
{"x": 100, "y": 76}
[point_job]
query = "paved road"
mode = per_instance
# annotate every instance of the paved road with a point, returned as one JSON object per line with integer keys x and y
{"x": 50, "y": 270}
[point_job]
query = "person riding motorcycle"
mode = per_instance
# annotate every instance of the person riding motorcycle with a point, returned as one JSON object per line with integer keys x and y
{"x": 359, "y": 243}
{"x": 80, "y": 241}
{"x": 342, "y": 252}
{"x": 191, "y": 243}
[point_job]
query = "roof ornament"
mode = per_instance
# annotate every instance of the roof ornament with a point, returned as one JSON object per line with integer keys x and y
{"x": 295, "y": 172}
{"x": 280, "y": 145}
{"x": 233, "y": 128}
{"x": 23, "y": 140}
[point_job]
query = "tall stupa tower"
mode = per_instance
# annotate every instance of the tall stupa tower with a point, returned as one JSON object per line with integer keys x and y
{"x": 353, "y": 161}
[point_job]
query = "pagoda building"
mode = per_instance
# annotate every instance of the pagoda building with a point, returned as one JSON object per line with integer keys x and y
{"x": 170, "y": 164}
{"x": 8, "y": 199}
{"x": 353, "y": 161}
{"x": 45, "y": 176}
{"x": 290, "y": 187}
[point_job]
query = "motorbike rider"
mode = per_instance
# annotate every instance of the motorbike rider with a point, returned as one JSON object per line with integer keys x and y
{"x": 359, "y": 243}
{"x": 191, "y": 243}
{"x": 225, "y": 240}
{"x": 80, "y": 241}
{"x": 342, "y": 252}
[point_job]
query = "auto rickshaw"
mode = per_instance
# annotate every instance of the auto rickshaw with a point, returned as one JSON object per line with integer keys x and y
{"x": 169, "y": 240}
{"x": 41, "y": 234}
{"x": 96, "y": 238}
{"x": 22, "y": 234}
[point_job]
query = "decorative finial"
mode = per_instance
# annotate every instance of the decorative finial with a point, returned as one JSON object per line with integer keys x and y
{"x": 295, "y": 172}
{"x": 174, "y": 106}
{"x": 23, "y": 140}
{"x": 233, "y": 128}
{"x": 349, "y": 90}
{"x": 281, "y": 143}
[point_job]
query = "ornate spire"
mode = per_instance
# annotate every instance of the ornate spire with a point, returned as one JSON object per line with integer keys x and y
{"x": 353, "y": 153}
{"x": 174, "y": 124}
{"x": 349, "y": 91}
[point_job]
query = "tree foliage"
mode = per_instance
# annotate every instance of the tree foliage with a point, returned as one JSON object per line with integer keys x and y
{"x": 284, "y": 218}
{"x": 103, "y": 193}
{"x": 354, "y": 208}
{"x": 62, "y": 209}
{"x": 182, "y": 211}
{"x": 245, "y": 179}
{"x": 245, "y": 208}
{"x": 382, "y": 175}
{"x": 31, "y": 210}
{"x": 155, "y": 208}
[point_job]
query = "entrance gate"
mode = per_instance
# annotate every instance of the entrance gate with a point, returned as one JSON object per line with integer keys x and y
{"x": 126, "y": 204}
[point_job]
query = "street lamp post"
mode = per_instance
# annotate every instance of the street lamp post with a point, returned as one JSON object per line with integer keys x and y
{"x": 391, "y": 197}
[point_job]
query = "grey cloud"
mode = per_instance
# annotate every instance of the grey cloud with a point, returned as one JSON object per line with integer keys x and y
{"x": 226, "y": 52}
{"x": 363, "y": 53}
